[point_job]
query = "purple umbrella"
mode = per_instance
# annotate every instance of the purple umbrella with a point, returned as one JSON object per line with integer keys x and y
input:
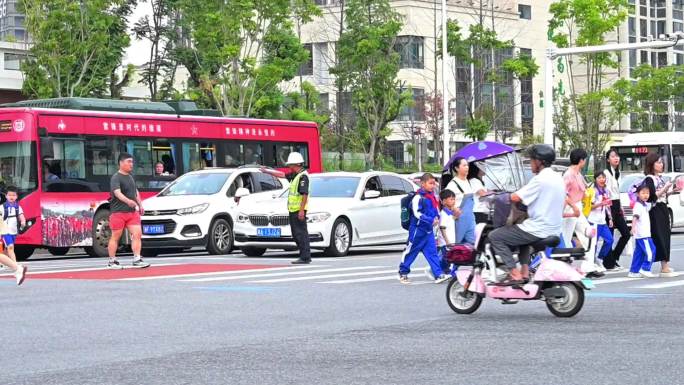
{"x": 479, "y": 151}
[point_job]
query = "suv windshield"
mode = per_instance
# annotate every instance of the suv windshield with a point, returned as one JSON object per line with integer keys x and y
{"x": 196, "y": 184}
{"x": 18, "y": 166}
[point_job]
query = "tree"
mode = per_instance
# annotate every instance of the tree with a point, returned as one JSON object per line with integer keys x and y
{"x": 585, "y": 23}
{"x": 77, "y": 47}
{"x": 368, "y": 67}
{"x": 240, "y": 52}
{"x": 656, "y": 96}
{"x": 305, "y": 106}
{"x": 434, "y": 115}
{"x": 488, "y": 100}
{"x": 158, "y": 29}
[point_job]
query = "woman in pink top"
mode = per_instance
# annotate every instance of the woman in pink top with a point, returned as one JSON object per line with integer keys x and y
{"x": 576, "y": 186}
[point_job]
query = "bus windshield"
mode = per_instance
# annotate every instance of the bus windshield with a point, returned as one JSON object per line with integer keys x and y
{"x": 18, "y": 166}
{"x": 632, "y": 158}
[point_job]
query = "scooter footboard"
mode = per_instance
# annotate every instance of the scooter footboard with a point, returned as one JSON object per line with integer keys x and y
{"x": 558, "y": 271}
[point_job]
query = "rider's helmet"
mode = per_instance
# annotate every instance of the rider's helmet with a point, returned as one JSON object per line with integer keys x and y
{"x": 543, "y": 152}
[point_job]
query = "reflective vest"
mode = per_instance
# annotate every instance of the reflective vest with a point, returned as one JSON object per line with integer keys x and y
{"x": 294, "y": 198}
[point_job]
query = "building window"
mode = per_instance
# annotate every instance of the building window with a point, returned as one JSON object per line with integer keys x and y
{"x": 525, "y": 11}
{"x": 410, "y": 49}
{"x": 416, "y": 111}
{"x": 527, "y": 97}
{"x": 321, "y": 2}
{"x": 13, "y": 61}
{"x": 307, "y": 67}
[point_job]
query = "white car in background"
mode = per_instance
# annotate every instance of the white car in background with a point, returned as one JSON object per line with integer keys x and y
{"x": 674, "y": 200}
{"x": 198, "y": 209}
{"x": 345, "y": 209}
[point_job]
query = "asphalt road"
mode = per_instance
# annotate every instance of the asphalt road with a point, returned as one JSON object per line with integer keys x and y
{"x": 337, "y": 321}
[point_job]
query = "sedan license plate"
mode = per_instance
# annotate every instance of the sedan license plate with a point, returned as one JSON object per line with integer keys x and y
{"x": 153, "y": 229}
{"x": 588, "y": 283}
{"x": 270, "y": 232}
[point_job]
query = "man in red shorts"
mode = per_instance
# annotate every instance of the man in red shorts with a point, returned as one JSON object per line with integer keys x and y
{"x": 126, "y": 209}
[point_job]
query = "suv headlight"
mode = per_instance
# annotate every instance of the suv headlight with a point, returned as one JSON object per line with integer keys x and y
{"x": 242, "y": 218}
{"x": 193, "y": 210}
{"x": 317, "y": 217}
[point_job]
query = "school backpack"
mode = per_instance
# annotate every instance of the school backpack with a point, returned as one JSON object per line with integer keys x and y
{"x": 5, "y": 211}
{"x": 588, "y": 200}
{"x": 406, "y": 203}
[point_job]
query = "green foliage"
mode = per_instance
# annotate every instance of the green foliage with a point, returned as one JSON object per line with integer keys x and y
{"x": 77, "y": 46}
{"x": 584, "y": 120}
{"x": 305, "y": 106}
{"x": 477, "y": 48}
{"x": 241, "y": 52}
{"x": 368, "y": 65}
{"x": 650, "y": 95}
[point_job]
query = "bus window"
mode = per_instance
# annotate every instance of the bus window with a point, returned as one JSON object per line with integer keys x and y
{"x": 283, "y": 150}
{"x": 232, "y": 154}
{"x": 678, "y": 157}
{"x": 64, "y": 159}
{"x": 197, "y": 156}
{"x": 253, "y": 153}
{"x": 165, "y": 153}
{"x": 142, "y": 156}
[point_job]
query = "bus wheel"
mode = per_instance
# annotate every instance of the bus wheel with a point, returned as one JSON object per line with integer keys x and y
{"x": 58, "y": 251}
{"x": 101, "y": 233}
{"x": 23, "y": 252}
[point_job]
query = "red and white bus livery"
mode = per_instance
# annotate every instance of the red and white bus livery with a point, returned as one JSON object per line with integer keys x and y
{"x": 61, "y": 154}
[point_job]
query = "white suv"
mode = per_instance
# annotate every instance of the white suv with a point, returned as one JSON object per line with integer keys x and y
{"x": 198, "y": 209}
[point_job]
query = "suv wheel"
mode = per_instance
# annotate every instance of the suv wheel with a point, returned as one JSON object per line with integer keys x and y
{"x": 220, "y": 237}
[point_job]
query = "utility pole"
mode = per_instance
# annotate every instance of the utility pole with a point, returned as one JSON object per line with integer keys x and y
{"x": 445, "y": 95}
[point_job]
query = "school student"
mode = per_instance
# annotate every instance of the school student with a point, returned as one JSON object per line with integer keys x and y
{"x": 644, "y": 248}
{"x": 18, "y": 268}
{"x": 600, "y": 216}
{"x": 13, "y": 216}
{"x": 447, "y": 226}
{"x": 425, "y": 209}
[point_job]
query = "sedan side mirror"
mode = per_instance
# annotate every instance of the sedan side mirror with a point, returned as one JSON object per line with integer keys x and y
{"x": 241, "y": 192}
{"x": 371, "y": 194}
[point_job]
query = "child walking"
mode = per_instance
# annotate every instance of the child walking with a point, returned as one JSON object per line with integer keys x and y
{"x": 644, "y": 248}
{"x": 13, "y": 215}
{"x": 18, "y": 268}
{"x": 600, "y": 217}
{"x": 425, "y": 210}
{"x": 447, "y": 227}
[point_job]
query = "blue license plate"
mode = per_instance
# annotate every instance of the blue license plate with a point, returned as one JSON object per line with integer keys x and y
{"x": 153, "y": 229}
{"x": 588, "y": 283}
{"x": 270, "y": 232}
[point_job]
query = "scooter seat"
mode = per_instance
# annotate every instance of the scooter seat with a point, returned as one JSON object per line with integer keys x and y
{"x": 551, "y": 241}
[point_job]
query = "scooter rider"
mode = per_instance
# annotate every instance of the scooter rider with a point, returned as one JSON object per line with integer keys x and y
{"x": 544, "y": 197}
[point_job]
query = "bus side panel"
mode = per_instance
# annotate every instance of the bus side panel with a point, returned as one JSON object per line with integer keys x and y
{"x": 67, "y": 219}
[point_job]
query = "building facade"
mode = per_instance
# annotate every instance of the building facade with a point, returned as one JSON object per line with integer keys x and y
{"x": 11, "y": 22}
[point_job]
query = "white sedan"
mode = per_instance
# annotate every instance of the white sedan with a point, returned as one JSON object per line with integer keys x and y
{"x": 675, "y": 201}
{"x": 345, "y": 209}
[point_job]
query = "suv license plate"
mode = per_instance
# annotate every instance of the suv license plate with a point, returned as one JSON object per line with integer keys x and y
{"x": 153, "y": 229}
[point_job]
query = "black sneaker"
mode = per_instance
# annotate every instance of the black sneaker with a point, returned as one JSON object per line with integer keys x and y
{"x": 114, "y": 264}
{"x": 140, "y": 264}
{"x": 301, "y": 262}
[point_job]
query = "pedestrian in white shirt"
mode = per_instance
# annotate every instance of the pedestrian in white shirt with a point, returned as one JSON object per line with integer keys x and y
{"x": 644, "y": 248}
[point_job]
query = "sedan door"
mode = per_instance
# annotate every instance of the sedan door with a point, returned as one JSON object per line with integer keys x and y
{"x": 367, "y": 213}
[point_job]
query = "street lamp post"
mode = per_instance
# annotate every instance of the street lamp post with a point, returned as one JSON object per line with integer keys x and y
{"x": 553, "y": 53}
{"x": 445, "y": 100}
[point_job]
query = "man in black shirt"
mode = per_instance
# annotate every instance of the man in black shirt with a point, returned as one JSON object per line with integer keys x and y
{"x": 126, "y": 209}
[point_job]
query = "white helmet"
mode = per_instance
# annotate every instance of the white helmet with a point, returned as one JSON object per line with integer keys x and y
{"x": 294, "y": 158}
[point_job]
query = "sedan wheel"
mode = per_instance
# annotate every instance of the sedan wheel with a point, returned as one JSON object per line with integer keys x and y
{"x": 340, "y": 239}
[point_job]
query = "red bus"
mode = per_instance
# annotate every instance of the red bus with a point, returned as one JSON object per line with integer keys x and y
{"x": 61, "y": 153}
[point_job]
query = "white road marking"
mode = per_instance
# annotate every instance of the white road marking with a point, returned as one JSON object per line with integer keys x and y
{"x": 374, "y": 279}
{"x": 229, "y": 272}
{"x": 325, "y": 276}
{"x": 266, "y": 275}
{"x": 663, "y": 285}
{"x": 614, "y": 280}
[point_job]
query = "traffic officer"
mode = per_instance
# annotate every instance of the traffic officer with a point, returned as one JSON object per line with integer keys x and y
{"x": 297, "y": 203}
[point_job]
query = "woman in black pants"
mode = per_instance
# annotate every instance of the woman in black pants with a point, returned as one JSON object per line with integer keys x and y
{"x": 660, "y": 214}
{"x": 612, "y": 173}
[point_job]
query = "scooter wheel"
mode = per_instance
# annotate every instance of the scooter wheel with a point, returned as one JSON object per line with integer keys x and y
{"x": 460, "y": 300}
{"x": 568, "y": 305}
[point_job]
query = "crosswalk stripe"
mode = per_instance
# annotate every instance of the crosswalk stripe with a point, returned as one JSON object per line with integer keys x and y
{"x": 615, "y": 280}
{"x": 663, "y": 285}
{"x": 325, "y": 276}
{"x": 360, "y": 280}
{"x": 267, "y": 275}
{"x": 216, "y": 273}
